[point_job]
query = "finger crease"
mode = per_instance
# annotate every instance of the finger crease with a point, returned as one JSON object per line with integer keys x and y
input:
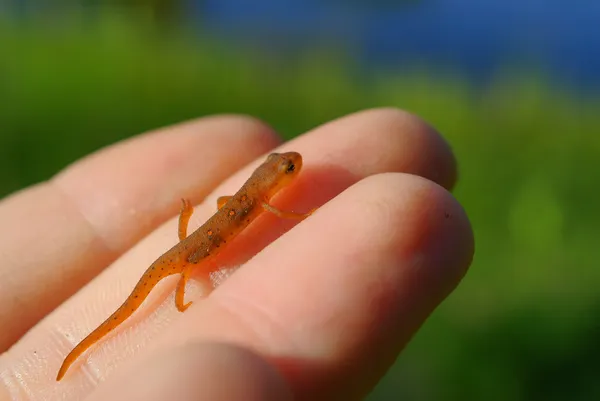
{"x": 94, "y": 230}
{"x": 264, "y": 326}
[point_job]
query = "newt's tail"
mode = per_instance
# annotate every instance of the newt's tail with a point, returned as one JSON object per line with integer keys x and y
{"x": 156, "y": 272}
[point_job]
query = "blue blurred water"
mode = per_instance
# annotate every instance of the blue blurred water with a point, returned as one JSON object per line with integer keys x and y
{"x": 472, "y": 36}
{"x": 475, "y": 37}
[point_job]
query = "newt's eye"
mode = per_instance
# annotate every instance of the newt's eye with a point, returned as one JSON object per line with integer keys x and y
{"x": 290, "y": 168}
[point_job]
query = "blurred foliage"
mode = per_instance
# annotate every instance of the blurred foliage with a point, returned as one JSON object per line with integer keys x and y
{"x": 524, "y": 323}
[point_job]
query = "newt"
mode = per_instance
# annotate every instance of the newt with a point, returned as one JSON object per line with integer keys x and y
{"x": 234, "y": 214}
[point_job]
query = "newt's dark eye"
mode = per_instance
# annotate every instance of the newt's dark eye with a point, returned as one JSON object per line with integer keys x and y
{"x": 290, "y": 168}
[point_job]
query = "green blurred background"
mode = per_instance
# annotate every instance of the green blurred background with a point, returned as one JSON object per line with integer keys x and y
{"x": 523, "y": 325}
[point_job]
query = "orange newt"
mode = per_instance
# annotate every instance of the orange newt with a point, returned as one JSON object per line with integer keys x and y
{"x": 234, "y": 214}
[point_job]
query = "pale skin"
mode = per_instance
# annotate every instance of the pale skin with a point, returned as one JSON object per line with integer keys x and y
{"x": 339, "y": 286}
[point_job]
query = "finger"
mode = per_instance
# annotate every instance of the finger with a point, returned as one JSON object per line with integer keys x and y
{"x": 387, "y": 139}
{"x": 334, "y": 301}
{"x": 336, "y": 155}
{"x": 199, "y": 372}
{"x": 57, "y": 235}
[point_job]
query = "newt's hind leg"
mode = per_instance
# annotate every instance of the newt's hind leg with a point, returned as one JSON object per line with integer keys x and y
{"x": 286, "y": 215}
{"x": 180, "y": 291}
{"x": 222, "y": 200}
{"x": 184, "y": 218}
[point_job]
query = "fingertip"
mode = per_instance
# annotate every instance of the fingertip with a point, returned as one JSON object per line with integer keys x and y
{"x": 244, "y": 125}
{"x": 394, "y": 140}
{"x": 428, "y": 154}
{"x": 441, "y": 243}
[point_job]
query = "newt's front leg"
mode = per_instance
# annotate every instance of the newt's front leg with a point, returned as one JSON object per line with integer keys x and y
{"x": 184, "y": 218}
{"x": 286, "y": 215}
{"x": 180, "y": 292}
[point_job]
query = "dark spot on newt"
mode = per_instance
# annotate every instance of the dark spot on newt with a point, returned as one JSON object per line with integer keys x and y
{"x": 198, "y": 254}
{"x": 216, "y": 240}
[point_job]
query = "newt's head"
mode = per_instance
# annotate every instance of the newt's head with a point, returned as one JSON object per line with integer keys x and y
{"x": 279, "y": 170}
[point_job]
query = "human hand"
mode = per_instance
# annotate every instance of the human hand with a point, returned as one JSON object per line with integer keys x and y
{"x": 321, "y": 310}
